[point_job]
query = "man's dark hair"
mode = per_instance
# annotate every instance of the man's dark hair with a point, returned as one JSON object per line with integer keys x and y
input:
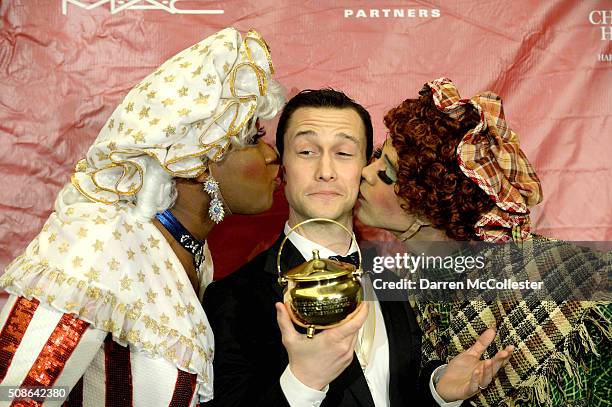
{"x": 323, "y": 98}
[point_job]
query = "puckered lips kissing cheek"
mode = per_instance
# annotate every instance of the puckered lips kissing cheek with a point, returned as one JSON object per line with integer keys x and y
{"x": 361, "y": 197}
{"x": 277, "y": 181}
{"x": 364, "y": 207}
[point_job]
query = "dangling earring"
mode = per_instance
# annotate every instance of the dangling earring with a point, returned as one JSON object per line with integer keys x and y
{"x": 412, "y": 230}
{"x": 216, "y": 212}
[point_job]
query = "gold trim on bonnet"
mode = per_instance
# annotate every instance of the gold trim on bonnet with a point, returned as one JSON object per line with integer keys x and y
{"x": 214, "y": 122}
{"x": 126, "y": 171}
{"x": 181, "y": 158}
{"x": 130, "y": 168}
{"x": 255, "y": 36}
{"x": 232, "y": 129}
{"x": 262, "y": 82}
{"x": 81, "y": 165}
{"x": 248, "y": 117}
{"x": 92, "y": 177}
{"x": 76, "y": 184}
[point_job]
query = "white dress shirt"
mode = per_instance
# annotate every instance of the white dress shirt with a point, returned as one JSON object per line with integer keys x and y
{"x": 376, "y": 371}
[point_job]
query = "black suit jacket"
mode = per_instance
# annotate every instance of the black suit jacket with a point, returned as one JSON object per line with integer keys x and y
{"x": 250, "y": 357}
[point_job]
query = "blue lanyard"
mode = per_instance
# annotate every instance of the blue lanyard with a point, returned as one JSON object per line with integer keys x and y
{"x": 182, "y": 235}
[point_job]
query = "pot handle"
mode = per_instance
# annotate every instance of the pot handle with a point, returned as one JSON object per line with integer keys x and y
{"x": 282, "y": 280}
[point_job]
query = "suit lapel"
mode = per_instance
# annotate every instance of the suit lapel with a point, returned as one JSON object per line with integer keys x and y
{"x": 290, "y": 258}
{"x": 353, "y": 380}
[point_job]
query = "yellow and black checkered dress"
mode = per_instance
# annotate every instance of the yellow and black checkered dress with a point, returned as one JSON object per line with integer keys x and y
{"x": 563, "y": 353}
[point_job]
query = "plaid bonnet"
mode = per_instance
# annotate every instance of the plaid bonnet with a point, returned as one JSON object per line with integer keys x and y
{"x": 489, "y": 154}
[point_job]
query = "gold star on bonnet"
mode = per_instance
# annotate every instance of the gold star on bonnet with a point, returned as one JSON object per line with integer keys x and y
{"x": 225, "y": 82}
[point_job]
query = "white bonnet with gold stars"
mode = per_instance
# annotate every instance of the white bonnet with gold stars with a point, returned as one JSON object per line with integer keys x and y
{"x": 185, "y": 113}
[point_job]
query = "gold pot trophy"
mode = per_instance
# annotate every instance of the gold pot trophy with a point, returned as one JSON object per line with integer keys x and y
{"x": 321, "y": 292}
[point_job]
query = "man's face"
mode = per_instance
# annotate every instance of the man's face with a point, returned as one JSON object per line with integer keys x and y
{"x": 323, "y": 158}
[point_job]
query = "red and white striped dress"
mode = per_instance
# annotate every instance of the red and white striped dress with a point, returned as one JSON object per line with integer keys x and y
{"x": 43, "y": 347}
{"x": 101, "y": 305}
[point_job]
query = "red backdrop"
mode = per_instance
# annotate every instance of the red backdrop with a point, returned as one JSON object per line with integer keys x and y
{"x": 65, "y": 65}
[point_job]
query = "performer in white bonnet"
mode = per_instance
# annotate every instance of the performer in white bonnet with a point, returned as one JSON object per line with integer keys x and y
{"x": 106, "y": 299}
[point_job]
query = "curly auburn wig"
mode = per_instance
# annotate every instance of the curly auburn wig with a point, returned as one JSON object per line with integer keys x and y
{"x": 429, "y": 178}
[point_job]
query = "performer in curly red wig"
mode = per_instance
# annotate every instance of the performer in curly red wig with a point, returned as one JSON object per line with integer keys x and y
{"x": 452, "y": 170}
{"x": 429, "y": 178}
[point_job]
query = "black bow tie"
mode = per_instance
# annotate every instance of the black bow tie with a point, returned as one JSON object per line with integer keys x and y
{"x": 352, "y": 258}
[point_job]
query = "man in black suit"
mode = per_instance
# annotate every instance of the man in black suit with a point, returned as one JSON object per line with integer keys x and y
{"x": 324, "y": 139}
